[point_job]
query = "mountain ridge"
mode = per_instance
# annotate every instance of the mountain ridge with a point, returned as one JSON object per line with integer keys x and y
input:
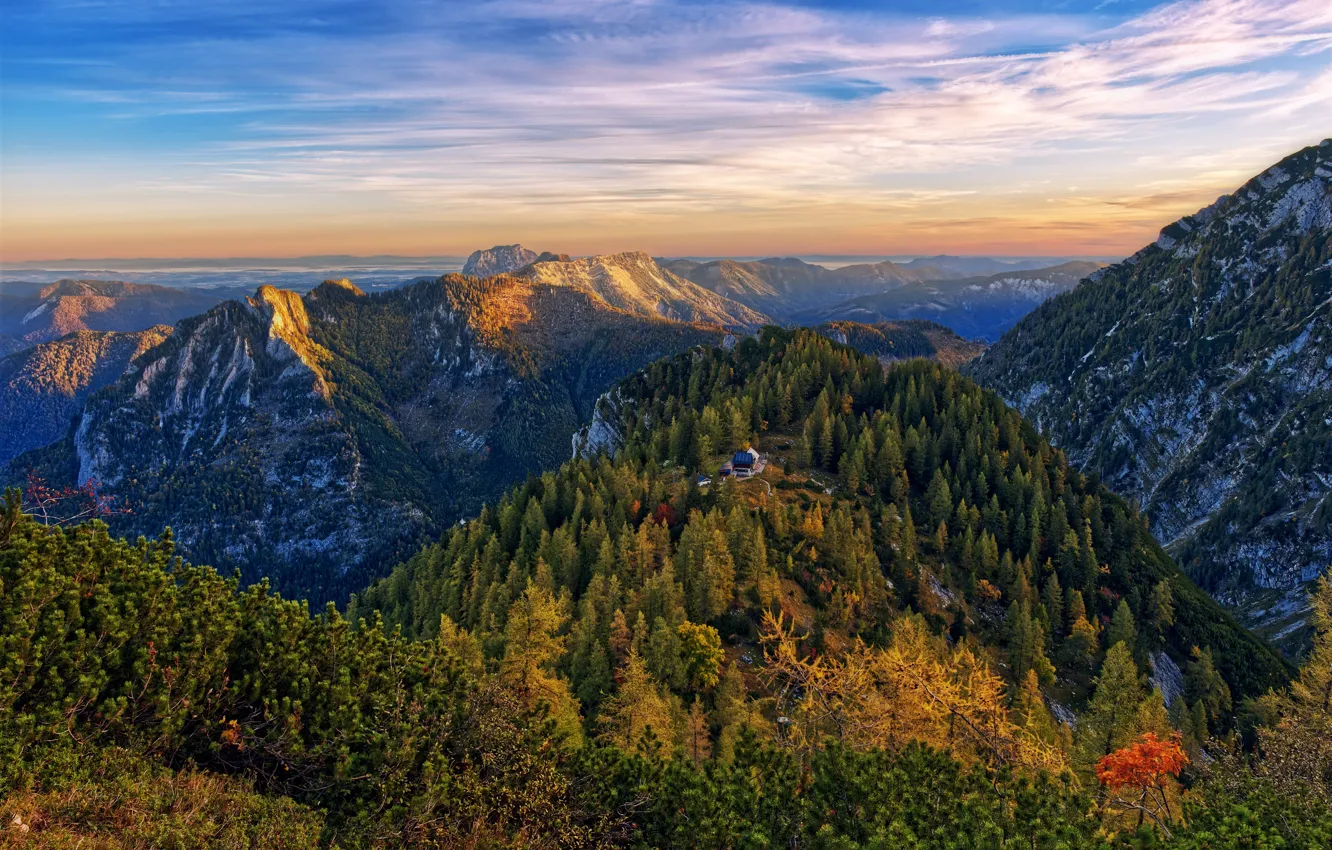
{"x": 42, "y": 388}
{"x": 31, "y": 313}
{"x": 975, "y": 307}
{"x": 307, "y": 438}
{"x": 1193, "y": 377}
{"x": 634, "y": 282}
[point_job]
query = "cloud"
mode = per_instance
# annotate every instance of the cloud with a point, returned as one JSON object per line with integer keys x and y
{"x": 660, "y": 106}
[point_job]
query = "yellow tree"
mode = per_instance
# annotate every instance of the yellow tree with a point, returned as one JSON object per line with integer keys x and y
{"x": 1297, "y": 747}
{"x": 697, "y": 736}
{"x": 917, "y": 689}
{"x": 533, "y": 646}
{"x": 701, "y": 655}
{"x": 735, "y": 711}
{"x": 637, "y": 706}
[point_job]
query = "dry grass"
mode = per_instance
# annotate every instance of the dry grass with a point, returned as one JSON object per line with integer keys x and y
{"x": 127, "y": 805}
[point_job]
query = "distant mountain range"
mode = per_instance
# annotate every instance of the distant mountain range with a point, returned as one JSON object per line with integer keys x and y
{"x": 38, "y": 312}
{"x": 975, "y": 307}
{"x": 891, "y": 341}
{"x": 634, "y": 282}
{"x": 1194, "y": 377}
{"x": 943, "y": 289}
{"x": 312, "y": 438}
{"x": 782, "y": 286}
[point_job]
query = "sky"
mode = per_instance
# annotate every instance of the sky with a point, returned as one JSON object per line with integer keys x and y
{"x": 222, "y": 128}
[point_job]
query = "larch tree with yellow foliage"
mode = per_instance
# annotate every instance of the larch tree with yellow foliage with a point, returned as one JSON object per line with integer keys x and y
{"x": 637, "y": 706}
{"x": 533, "y": 646}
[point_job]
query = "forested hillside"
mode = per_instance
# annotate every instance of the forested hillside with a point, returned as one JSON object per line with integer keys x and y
{"x": 902, "y": 340}
{"x": 1194, "y": 379}
{"x": 839, "y": 652}
{"x": 910, "y": 489}
{"x": 317, "y": 439}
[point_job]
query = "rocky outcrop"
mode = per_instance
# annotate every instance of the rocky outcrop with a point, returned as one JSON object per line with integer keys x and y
{"x": 501, "y": 259}
{"x": 605, "y": 433}
{"x": 634, "y": 282}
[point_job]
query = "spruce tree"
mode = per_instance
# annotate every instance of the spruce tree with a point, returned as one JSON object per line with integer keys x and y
{"x": 1111, "y": 720}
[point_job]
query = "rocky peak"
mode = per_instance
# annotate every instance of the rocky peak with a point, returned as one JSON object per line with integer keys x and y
{"x": 500, "y": 259}
{"x": 1194, "y": 379}
{"x": 1296, "y": 192}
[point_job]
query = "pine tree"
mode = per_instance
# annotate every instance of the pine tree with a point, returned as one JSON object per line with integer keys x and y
{"x": 532, "y": 640}
{"x": 1052, "y": 597}
{"x": 1030, "y": 712}
{"x": 701, "y": 655}
{"x": 1122, "y": 629}
{"x": 812, "y": 527}
{"x": 663, "y": 654}
{"x": 620, "y": 638}
{"x": 1203, "y": 685}
{"x": 1026, "y": 645}
{"x": 734, "y": 712}
{"x": 1160, "y": 611}
{"x": 1075, "y": 607}
{"x": 939, "y": 499}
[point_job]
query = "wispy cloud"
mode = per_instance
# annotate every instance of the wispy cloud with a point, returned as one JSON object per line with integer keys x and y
{"x": 510, "y": 111}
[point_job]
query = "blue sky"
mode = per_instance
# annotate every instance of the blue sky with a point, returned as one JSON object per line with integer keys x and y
{"x": 261, "y": 128}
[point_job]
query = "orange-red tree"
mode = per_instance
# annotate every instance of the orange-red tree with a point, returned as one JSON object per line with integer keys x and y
{"x": 1146, "y": 769}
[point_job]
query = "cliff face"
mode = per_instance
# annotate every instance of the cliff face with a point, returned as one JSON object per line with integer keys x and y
{"x": 312, "y": 439}
{"x": 1195, "y": 378}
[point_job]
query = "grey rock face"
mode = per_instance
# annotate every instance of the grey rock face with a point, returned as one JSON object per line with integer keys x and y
{"x": 1196, "y": 378}
{"x": 501, "y": 259}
